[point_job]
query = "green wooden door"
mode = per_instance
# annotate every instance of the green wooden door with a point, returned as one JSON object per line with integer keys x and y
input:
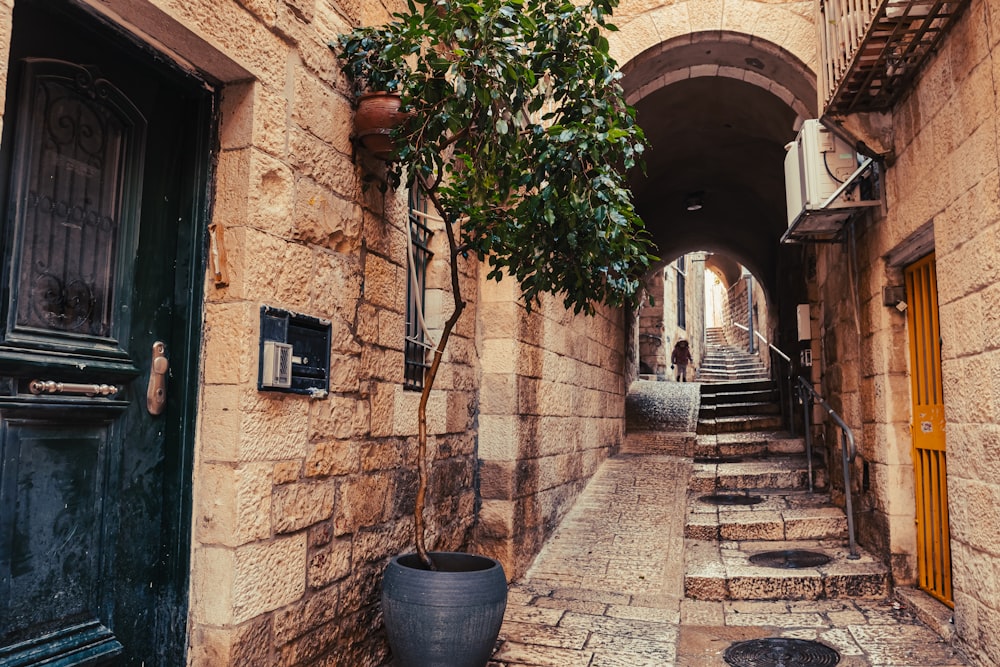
{"x": 101, "y": 154}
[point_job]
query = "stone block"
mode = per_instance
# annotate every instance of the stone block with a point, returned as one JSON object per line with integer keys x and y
{"x": 462, "y": 409}
{"x": 338, "y": 416}
{"x": 345, "y": 374}
{"x": 274, "y": 271}
{"x": 405, "y": 408}
{"x": 499, "y": 355}
{"x": 387, "y": 455}
{"x": 498, "y": 438}
{"x": 381, "y": 408}
{"x": 232, "y": 503}
{"x": 210, "y": 646}
{"x": 296, "y": 506}
{"x": 271, "y": 194}
{"x": 496, "y": 519}
{"x": 212, "y": 585}
{"x": 325, "y": 219}
{"x": 251, "y": 643}
{"x": 229, "y": 332}
{"x": 497, "y": 394}
{"x": 322, "y": 111}
{"x": 332, "y": 457}
{"x": 220, "y": 420}
{"x": 335, "y": 287}
{"x": 497, "y": 480}
{"x": 287, "y": 471}
{"x": 391, "y": 329}
{"x": 329, "y": 564}
{"x": 382, "y": 364}
{"x": 273, "y": 427}
{"x": 325, "y": 164}
{"x": 232, "y": 187}
{"x": 362, "y": 502}
{"x": 306, "y": 616}
{"x": 384, "y": 283}
{"x": 267, "y": 576}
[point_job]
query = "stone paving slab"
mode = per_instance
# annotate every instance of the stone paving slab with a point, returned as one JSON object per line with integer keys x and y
{"x": 606, "y": 591}
{"x": 775, "y": 517}
{"x": 723, "y": 571}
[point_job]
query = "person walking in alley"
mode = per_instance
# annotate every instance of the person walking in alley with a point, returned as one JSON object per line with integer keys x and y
{"x": 679, "y": 359}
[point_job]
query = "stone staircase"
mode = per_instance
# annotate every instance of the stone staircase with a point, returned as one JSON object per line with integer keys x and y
{"x": 721, "y": 361}
{"x": 753, "y": 530}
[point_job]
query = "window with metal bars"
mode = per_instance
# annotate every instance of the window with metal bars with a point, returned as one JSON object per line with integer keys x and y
{"x": 681, "y": 305}
{"x": 416, "y": 290}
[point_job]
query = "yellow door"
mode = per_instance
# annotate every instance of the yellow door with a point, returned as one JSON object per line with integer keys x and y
{"x": 928, "y": 428}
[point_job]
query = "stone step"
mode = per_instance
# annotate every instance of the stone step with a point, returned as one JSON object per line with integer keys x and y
{"x": 738, "y": 386}
{"x": 711, "y": 397}
{"x": 731, "y": 364}
{"x": 753, "y": 444}
{"x": 765, "y": 475}
{"x": 738, "y": 409}
{"x": 723, "y": 571}
{"x": 713, "y": 378}
{"x": 658, "y": 442}
{"x": 808, "y": 516}
{"x": 741, "y": 424}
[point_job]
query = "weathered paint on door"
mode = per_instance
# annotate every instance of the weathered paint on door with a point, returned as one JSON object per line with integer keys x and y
{"x": 930, "y": 470}
{"x": 102, "y": 158}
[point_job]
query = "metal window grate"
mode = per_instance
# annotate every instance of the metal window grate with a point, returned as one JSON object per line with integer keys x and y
{"x": 416, "y": 290}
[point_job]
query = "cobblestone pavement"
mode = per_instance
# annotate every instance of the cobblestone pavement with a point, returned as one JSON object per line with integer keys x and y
{"x": 607, "y": 591}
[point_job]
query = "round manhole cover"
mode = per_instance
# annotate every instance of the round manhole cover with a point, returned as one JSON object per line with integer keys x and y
{"x": 731, "y": 499}
{"x": 790, "y": 559}
{"x": 780, "y": 652}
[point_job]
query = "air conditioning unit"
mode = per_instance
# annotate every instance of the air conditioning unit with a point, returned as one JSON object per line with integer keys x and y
{"x": 826, "y": 182}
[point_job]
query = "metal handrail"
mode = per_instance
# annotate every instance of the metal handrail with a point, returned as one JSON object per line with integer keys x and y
{"x": 848, "y": 452}
{"x": 788, "y": 360}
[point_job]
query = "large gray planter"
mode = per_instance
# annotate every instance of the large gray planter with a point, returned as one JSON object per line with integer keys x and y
{"x": 449, "y": 617}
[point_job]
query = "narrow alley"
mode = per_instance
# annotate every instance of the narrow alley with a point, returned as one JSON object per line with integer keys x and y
{"x": 608, "y": 588}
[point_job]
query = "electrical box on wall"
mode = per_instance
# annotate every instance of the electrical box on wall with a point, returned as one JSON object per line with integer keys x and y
{"x": 802, "y": 321}
{"x": 294, "y": 353}
{"x": 826, "y": 182}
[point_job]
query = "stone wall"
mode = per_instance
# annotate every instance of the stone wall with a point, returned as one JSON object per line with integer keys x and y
{"x": 654, "y": 351}
{"x": 299, "y": 502}
{"x": 738, "y": 313}
{"x": 942, "y": 185}
{"x": 552, "y": 409}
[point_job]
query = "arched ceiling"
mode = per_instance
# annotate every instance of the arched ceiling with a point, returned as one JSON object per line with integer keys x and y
{"x": 720, "y": 137}
{"x": 728, "y": 270}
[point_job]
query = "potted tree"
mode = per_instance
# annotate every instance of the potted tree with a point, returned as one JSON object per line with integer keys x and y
{"x": 515, "y": 127}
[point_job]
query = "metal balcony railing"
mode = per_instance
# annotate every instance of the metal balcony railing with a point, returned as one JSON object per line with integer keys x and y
{"x": 870, "y": 50}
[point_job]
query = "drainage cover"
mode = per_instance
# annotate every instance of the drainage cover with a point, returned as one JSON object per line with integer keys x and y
{"x": 731, "y": 499}
{"x": 780, "y": 652}
{"x": 790, "y": 559}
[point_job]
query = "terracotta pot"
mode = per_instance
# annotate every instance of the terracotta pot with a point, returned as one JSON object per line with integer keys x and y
{"x": 375, "y": 118}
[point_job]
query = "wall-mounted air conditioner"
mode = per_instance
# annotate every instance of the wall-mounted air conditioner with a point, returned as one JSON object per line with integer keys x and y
{"x": 826, "y": 182}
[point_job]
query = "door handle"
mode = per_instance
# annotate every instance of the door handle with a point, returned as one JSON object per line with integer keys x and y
{"x": 53, "y": 387}
{"x": 156, "y": 392}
